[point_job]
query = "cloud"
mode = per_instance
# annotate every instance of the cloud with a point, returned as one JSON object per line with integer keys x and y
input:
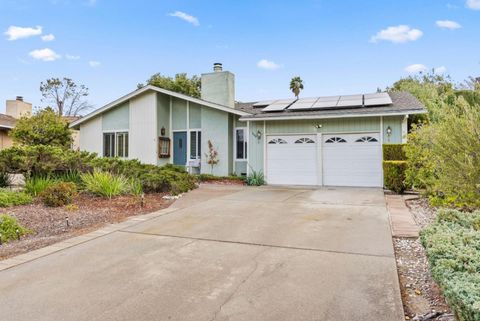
{"x": 473, "y": 4}
{"x": 46, "y": 54}
{"x": 72, "y": 57}
{"x": 186, "y": 17}
{"x": 440, "y": 70}
{"x": 398, "y": 34}
{"x": 93, "y": 63}
{"x": 415, "y": 68}
{"x": 48, "y": 37}
{"x": 448, "y": 24}
{"x": 268, "y": 65}
{"x": 14, "y": 32}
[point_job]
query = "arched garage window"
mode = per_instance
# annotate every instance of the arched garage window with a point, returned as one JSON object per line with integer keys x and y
{"x": 335, "y": 140}
{"x": 277, "y": 141}
{"x": 366, "y": 139}
{"x": 304, "y": 141}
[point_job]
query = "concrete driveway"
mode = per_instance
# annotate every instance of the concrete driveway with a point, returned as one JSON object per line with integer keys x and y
{"x": 224, "y": 253}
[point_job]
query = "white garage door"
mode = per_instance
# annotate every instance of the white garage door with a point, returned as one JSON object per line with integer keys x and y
{"x": 292, "y": 160}
{"x": 352, "y": 160}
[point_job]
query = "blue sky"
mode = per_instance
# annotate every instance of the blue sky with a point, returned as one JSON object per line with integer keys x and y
{"x": 337, "y": 47}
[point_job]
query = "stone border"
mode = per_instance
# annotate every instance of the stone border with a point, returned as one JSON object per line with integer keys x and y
{"x": 68, "y": 243}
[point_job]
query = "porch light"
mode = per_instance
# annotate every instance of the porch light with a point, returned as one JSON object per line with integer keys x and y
{"x": 389, "y": 131}
{"x": 162, "y": 131}
{"x": 257, "y": 135}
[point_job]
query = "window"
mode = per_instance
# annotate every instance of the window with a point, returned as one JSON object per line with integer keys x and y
{"x": 163, "y": 147}
{"x": 115, "y": 144}
{"x": 277, "y": 141}
{"x": 195, "y": 144}
{"x": 335, "y": 140}
{"x": 304, "y": 141}
{"x": 366, "y": 139}
{"x": 240, "y": 144}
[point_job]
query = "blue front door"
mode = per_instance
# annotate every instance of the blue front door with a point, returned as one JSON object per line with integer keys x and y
{"x": 180, "y": 148}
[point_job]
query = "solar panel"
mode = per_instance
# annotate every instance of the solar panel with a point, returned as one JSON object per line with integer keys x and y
{"x": 263, "y": 103}
{"x": 350, "y": 102}
{"x": 377, "y": 99}
{"x": 303, "y": 103}
{"x": 276, "y": 107}
{"x": 328, "y": 98}
{"x": 324, "y": 104}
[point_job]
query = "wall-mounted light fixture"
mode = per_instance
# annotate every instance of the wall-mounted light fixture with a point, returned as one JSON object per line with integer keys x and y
{"x": 257, "y": 134}
{"x": 389, "y": 131}
{"x": 162, "y": 131}
{"x": 318, "y": 126}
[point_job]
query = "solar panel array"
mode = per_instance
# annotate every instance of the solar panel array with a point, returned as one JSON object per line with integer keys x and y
{"x": 326, "y": 102}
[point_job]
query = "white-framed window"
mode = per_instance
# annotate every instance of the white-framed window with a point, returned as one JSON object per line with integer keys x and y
{"x": 240, "y": 144}
{"x": 115, "y": 144}
{"x": 195, "y": 144}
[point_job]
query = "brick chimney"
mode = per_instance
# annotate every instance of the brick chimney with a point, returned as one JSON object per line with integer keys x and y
{"x": 219, "y": 86}
{"x": 18, "y": 108}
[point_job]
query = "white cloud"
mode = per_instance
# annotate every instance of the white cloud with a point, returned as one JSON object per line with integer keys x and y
{"x": 72, "y": 57}
{"x": 186, "y": 17}
{"x": 440, "y": 70}
{"x": 473, "y": 4}
{"x": 268, "y": 64}
{"x": 48, "y": 37}
{"x": 46, "y": 54}
{"x": 94, "y": 63}
{"x": 448, "y": 24}
{"x": 398, "y": 34}
{"x": 14, "y": 32}
{"x": 415, "y": 68}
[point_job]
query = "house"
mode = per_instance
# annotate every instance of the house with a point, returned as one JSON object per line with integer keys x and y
{"x": 335, "y": 140}
{"x": 14, "y": 110}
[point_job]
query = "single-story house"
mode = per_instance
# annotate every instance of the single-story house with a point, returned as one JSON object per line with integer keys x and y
{"x": 14, "y": 110}
{"x": 329, "y": 141}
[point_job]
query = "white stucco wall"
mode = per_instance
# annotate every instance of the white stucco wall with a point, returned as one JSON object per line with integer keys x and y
{"x": 143, "y": 128}
{"x": 91, "y": 137}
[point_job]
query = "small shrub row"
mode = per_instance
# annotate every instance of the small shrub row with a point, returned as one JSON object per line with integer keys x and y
{"x": 394, "y": 175}
{"x": 9, "y": 227}
{"x": 210, "y": 178}
{"x": 452, "y": 246}
{"x": 12, "y": 198}
{"x": 394, "y": 152}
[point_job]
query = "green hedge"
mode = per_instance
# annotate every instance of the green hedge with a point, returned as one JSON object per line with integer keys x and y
{"x": 394, "y": 152}
{"x": 394, "y": 175}
{"x": 452, "y": 245}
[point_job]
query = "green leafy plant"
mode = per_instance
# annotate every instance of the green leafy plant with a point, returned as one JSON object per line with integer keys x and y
{"x": 59, "y": 194}
{"x": 255, "y": 178}
{"x": 452, "y": 245}
{"x": 9, "y": 227}
{"x": 104, "y": 183}
{"x": 4, "y": 179}
{"x": 394, "y": 152}
{"x": 135, "y": 187}
{"x": 210, "y": 177}
{"x": 37, "y": 184}
{"x": 12, "y": 198}
{"x": 394, "y": 175}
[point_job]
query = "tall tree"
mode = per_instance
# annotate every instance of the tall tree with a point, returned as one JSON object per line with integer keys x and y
{"x": 296, "y": 85}
{"x": 65, "y": 96}
{"x": 180, "y": 84}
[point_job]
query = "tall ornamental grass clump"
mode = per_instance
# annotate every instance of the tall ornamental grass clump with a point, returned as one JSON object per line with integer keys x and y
{"x": 104, "y": 184}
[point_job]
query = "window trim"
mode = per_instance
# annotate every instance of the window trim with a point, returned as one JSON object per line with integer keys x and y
{"x": 199, "y": 143}
{"x": 115, "y": 133}
{"x": 245, "y": 143}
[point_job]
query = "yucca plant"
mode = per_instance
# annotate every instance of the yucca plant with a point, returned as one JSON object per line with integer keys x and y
{"x": 37, "y": 184}
{"x": 105, "y": 184}
{"x": 255, "y": 178}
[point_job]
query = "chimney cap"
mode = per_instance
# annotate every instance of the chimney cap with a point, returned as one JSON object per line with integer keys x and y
{"x": 217, "y": 67}
{"x": 19, "y": 98}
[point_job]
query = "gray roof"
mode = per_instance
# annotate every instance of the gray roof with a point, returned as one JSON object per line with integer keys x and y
{"x": 7, "y": 121}
{"x": 403, "y": 103}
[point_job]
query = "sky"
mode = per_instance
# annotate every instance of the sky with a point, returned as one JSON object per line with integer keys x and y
{"x": 336, "y": 47}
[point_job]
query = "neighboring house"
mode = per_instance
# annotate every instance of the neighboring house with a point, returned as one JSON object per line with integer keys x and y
{"x": 334, "y": 140}
{"x": 75, "y": 133}
{"x": 14, "y": 110}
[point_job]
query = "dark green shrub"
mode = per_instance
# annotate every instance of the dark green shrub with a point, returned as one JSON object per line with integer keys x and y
{"x": 210, "y": 177}
{"x": 394, "y": 152}
{"x": 35, "y": 185}
{"x": 4, "y": 179}
{"x": 167, "y": 179}
{"x": 9, "y": 227}
{"x": 452, "y": 245}
{"x": 59, "y": 194}
{"x": 255, "y": 178}
{"x": 394, "y": 175}
{"x": 11, "y": 198}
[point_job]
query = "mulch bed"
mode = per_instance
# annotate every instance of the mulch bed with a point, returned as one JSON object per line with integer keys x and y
{"x": 420, "y": 294}
{"x": 85, "y": 214}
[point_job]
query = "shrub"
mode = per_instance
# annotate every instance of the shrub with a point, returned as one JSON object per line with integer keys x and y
{"x": 392, "y": 152}
{"x": 394, "y": 175}
{"x": 59, "y": 194}
{"x": 209, "y": 177}
{"x": 9, "y": 227}
{"x": 135, "y": 187}
{"x": 166, "y": 179}
{"x": 4, "y": 179}
{"x": 255, "y": 178}
{"x": 11, "y": 198}
{"x": 104, "y": 183}
{"x": 37, "y": 184}
{"x": 452, "y": 246}
{"x": 69, "y": 177}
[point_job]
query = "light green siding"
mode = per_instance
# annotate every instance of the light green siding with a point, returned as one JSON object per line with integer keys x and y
{"x": 240, "y": 168}
{"x": 179, "y": 114}
{"x": 339, "y": 125}
{"x": 395, "y": 123}
{"x": 255, "y": 146}
{"x": 239, "y": 123}
{"x": 117, "y": 118}
{"x": 195, "y": 116}
{"x": 163, "y": 120}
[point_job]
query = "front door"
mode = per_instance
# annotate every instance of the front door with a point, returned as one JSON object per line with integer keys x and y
{"x": 180, "y": 148}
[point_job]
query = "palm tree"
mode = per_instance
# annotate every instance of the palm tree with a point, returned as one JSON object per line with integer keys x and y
{"x": 296, "y": 85}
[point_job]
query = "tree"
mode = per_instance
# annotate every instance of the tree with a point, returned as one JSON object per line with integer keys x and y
{"x": 46, "y": 127}
{"x": 180, "y": 84}
{"x": 296, "y": 85}
{"x": 66, "y": 97}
